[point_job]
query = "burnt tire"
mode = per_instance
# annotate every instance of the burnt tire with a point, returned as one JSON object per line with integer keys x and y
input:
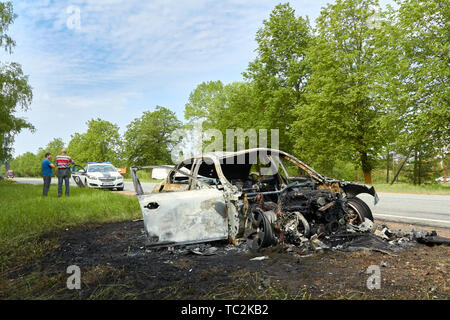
{"x": 303, "y": 225}
{"x": 361, "y": 208}
{"x": 258, "y": 230}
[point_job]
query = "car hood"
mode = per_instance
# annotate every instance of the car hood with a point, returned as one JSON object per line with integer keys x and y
{"x": 104, "y": 174}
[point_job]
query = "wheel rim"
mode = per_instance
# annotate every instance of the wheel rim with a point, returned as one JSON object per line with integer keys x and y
{"x": 257, "y": 230}
{"x": 360, "y": 218}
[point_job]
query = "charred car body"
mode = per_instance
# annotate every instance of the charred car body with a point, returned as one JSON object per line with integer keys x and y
{"x": 263, "y": 195}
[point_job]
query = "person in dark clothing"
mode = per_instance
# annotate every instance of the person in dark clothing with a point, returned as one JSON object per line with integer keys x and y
{"x": 47, "y": 172}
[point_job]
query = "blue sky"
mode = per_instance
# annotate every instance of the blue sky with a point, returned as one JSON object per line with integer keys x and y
{"x": 128, "y": 56}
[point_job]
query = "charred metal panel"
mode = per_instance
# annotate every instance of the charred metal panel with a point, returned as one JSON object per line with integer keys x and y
{"x": 352, "y": 189}
{"x": 185, "y": 216}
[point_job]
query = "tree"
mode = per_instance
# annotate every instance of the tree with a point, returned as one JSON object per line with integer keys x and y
{"x": 54, "y": 147}
{"x": 280, "y": 72}
{"x": 204, "y": 104}
{"x": 15, "y": 92}
{"x": 231, "y": 107}
{"x": 148, "y": 139}
{"x": 101, "y": 142}
{"x": 340, "y": 118}
{"x": 27, "y": 165}
{"x": 422, "y": 46}
{"x": 223, "y": 107}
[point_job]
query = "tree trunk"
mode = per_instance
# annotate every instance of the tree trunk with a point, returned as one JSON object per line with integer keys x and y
{"x": 415, "y": 167}
{"x": 356, "y": 174}
{"x": 367, "y": 170}
{"x": 387, "y": 167}
{"x": 420, "y": 169}
{"x": 444, "y": 165}
{"x": 368, "y": 177}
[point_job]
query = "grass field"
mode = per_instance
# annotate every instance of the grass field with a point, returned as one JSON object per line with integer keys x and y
{"x": 40, "y": 237}
{"x": 442, "y": 189}
{"x": 25, "y": 214}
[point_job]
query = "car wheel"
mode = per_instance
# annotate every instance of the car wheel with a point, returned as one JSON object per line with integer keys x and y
{"x": 78, "y": 181}
{"x": 258, "y": 230}
{"x": 360, "y": 208}
{"x": 119, "y": 189}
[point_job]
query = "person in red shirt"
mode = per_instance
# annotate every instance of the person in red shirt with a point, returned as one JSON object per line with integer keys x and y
{"x": 62, "y": 162}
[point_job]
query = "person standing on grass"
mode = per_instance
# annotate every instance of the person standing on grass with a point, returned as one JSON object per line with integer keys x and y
{"x": 47, "y": 172}
{"x": 62, "y": 161}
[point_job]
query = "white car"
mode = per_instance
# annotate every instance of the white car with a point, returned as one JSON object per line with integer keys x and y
{"x": 441, "y": 179}
{"x": 102, "y": 175}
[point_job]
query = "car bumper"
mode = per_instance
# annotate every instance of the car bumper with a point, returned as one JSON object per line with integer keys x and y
{"x": 105, "y": 185}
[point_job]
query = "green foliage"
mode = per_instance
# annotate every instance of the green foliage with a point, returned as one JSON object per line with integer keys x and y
{"x": 26, "y": 165}
{"x": 276, "y": 82}
{"x": 340, "y": 118}
{"x": 54, "y": 147}
{"x": 280, "y": 71}
{"x": 366, "y": 82}
{"x": 29, "y": 164}
{"x": 223, "y": 107}
{"x": 7, "y": 17}
{"x": 15, "y": 92}
{"x": 422, "y": 47}
{"x": 148, "y": 139}
{"x": 101, "y": 142}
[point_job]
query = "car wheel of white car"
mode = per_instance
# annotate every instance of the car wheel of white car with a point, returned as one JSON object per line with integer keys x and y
{"x": 78, "y": 181}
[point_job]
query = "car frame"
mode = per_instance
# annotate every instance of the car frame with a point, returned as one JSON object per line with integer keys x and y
{"x": 210, "y": 205}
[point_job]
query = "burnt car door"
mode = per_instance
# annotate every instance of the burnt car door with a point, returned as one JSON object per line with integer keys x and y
{"x": 194, "y": 214}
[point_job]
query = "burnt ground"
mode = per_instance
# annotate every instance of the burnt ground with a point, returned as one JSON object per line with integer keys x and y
{"x": 116, "y": 264}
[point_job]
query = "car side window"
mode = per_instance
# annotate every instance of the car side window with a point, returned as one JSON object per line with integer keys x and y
{"x": 200, "y": 181}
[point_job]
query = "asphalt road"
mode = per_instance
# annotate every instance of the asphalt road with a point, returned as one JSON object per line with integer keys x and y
{"x": 424, "y": 209}
{"x": 429, "y": 210}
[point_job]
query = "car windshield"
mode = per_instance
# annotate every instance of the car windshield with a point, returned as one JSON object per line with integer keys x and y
{"x": 101, "y": 168}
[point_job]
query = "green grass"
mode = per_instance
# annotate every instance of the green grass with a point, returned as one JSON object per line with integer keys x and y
{"x": 24, "y": 212}
{"x": 441, "y": 189}
{"x": 142, "y": 178}
{"x": 25, "y": 215}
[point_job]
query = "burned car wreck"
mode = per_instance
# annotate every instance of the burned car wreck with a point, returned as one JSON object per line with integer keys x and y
{"x": 264, "y": 196}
